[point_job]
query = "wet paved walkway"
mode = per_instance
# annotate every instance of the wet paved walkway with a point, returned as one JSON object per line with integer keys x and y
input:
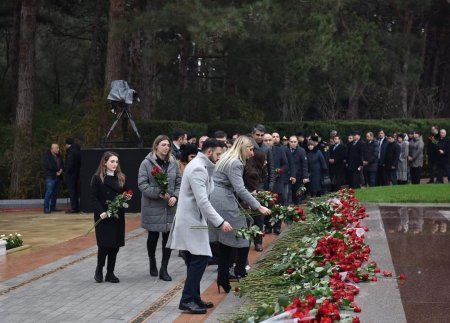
{"x": 56, "y": 284}
{"x": 419, "y": 242}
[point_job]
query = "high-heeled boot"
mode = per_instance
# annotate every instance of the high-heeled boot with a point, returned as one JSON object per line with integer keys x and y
{"x": 163, "y": 274}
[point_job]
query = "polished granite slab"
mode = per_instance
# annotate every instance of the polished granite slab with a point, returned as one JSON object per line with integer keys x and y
{"x": 419, "y": 242}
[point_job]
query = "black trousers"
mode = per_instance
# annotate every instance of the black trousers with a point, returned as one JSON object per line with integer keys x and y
{"x": 112, "y": 256}
{"x": 381, "y": 176}
{"x": 225, "y": 256}
{"x": 196, "y": 265}
{"x": 442, "y": 171}
{"x": 259, "y": 221}
{"x": 432, "y": 170}
{"x": 354, "y": 179}
{"x": 415, "y": 173}
{"x": 72, "y": 188}
{"x": 152, "y": 242}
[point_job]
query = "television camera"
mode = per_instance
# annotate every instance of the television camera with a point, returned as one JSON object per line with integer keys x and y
{"x": 120, "y": 98}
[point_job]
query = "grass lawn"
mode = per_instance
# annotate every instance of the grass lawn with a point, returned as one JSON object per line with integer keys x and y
{"x": 429, "y": 193}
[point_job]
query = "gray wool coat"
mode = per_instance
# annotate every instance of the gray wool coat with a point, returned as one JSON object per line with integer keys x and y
{"x": 229, "y": 183}
{"x": 416, "y": 152}
{"x": 194, "y": 209}
{"x": 402, "y": 166}
{"x": 156, "y": 215}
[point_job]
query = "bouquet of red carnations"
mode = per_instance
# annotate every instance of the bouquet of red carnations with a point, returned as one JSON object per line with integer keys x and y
{"x": 119, "y": 202}
{"x": 161, "y": 179}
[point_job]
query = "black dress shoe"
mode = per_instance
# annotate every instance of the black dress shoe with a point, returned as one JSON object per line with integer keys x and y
{"x": 110, "y": 277}
{"x": 203, "y": 304}
{"x": 277, "y": 231}
{"x": 192, "y": 308}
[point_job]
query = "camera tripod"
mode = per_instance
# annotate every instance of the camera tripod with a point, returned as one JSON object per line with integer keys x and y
{"x": 125, "y": 115}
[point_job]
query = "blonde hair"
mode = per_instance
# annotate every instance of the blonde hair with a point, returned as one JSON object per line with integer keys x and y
{"x": 157, "y": 141}
{"x": 101, "y": 169}
{"x": 237, "y": 151}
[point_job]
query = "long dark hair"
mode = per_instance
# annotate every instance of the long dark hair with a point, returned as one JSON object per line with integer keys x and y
{"x": 101, "y": 169}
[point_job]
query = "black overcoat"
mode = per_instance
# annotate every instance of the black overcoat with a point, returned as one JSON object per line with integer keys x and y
{"x": 110, "y": 232}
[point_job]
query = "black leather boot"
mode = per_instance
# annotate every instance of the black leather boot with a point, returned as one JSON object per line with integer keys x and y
{"x": 153, "y": 268}
{"x": 98, "y": 274}
{"x": 163, "y": 271}
{"x": 110, "y": 277}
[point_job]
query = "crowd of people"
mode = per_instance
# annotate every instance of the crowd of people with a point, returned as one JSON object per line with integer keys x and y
{"x": 210, "y": 180}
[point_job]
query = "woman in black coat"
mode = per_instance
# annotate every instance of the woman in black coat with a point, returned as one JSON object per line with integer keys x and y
{"x": 317, "y": 168}
{"x": 108, "y": 182}
{"x": 254, "y": 174}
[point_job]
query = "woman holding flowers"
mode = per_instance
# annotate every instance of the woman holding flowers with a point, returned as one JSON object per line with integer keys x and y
{"x": 229, "y": 185}
{"x": 159, "y": 181}
{"x": 107, "y": 183}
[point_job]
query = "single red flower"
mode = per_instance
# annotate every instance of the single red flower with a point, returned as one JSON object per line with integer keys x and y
{"x": 237, "y": 289}
{"x": 401, "y": 276}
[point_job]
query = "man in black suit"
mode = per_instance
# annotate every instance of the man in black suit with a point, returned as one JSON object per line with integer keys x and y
{"x": 179, "y": 138}
{"x": 382, "y": 144}
{"x": 355, "y": 161}
{"x": 370, "y": 160}
{"x": 257, "y": 134}
{"x": 337, "y": 163}
{"x": 300, "y": 168}
{"x": 391, "y": 159}
{"x": 72, "y": 171}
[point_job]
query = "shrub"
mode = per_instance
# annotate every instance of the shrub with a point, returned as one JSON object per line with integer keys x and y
{"x": 12, "y": 240}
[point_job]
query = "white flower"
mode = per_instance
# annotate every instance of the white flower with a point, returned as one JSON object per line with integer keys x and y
{"x": 125, "y": 205}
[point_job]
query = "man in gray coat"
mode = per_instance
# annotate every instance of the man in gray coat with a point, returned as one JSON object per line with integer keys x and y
{"x": 190, "y": 227}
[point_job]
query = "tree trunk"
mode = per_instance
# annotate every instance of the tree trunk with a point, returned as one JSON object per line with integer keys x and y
{"x": 436, "y": 69}
{"x": 114, "y": 52}
{"x": 95, "y": 61}
{"x": 356, "y": 91}
{"x": 25, "y": 98}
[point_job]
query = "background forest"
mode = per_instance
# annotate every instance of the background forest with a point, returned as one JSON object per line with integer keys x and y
{"x": 211, "y": 63}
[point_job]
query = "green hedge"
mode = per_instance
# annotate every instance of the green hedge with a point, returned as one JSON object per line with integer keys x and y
{"x": 150, "y": 129}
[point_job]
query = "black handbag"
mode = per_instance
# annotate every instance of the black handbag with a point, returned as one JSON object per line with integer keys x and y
{"x": 326, "y": 180}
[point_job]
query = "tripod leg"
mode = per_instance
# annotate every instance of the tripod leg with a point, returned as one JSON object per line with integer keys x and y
{"x": 113, "y": 126}
{"x": 133, "y": 125}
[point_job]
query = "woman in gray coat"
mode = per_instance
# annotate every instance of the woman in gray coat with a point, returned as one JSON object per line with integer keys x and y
{"x": 158, "y": 209}
{"x": 402, "y": 166}
{"x": 228, "y": 186}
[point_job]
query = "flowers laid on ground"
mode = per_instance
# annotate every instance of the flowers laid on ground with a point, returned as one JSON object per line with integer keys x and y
{"x": 315, "y": 268}
{"x": 13, "y": 240}
{"x": 113, "y": 207}
{"x": 161, "y": 179}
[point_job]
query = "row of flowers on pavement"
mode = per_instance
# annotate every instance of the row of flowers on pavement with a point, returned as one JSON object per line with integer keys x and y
{"x": 13, "y": 240}
{"x": 318, "y": 265}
